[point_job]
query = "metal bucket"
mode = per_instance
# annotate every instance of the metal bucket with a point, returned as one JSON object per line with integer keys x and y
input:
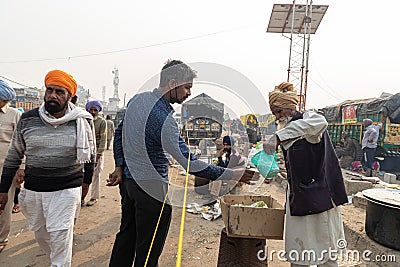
{"x": 382, "y": 222}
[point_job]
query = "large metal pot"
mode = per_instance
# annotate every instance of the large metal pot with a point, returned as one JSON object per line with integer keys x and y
{"x": 382, "y": 222}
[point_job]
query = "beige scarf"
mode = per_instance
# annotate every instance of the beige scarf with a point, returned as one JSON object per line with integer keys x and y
{"x": 85, "y": 135}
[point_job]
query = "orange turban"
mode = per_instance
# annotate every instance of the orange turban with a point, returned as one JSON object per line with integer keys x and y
{"x": 62, "y": 79}
{"x": 284, "y": 96}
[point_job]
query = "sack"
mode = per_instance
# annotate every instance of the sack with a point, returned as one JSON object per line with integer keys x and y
{"x": 266, "y": 164}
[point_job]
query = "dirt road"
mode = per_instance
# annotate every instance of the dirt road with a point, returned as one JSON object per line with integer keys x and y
{"x": 97, "y": 225}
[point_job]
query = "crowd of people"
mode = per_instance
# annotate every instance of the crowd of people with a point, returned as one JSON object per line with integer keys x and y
{"x": 57, "y": 152}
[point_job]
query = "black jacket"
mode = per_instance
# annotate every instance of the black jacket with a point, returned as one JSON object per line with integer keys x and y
{"x": 314, "y": 176}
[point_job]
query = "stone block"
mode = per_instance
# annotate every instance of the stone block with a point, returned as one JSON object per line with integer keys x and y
{"x": 360, "y": 201}
{"x": 354, "y": 186}
{"x": 389, "y": 178}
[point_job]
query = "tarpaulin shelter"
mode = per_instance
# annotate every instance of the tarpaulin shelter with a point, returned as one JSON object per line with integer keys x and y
{"x": 203, "y": 106}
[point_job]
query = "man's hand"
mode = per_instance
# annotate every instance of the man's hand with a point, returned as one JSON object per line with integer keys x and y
{"x": 271, "y": 144}
{"x": 19, "y": 176}
{"x": 242, "y": 175}
{"x": 247, "y": 176}
{"x": 220, "y": 153}
{"x": 115, "y": 177}
{"x": 3, "y": 201}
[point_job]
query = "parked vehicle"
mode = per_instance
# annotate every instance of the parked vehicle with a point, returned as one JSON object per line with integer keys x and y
{"x": 202, "y": 117}
{"x": 250, "y": 121}
{"x": 349, "y": 115}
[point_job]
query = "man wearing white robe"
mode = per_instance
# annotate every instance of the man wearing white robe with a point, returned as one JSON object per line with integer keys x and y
{"x": 315, "y": 183}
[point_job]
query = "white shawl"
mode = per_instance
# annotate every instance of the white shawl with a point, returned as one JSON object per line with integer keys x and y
{"x": 85, "y": 136}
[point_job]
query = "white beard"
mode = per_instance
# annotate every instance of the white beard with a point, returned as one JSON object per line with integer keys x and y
{"x": 282, "y": 122}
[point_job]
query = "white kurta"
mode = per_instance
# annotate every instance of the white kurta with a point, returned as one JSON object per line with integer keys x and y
{"x": 317, "y": 232}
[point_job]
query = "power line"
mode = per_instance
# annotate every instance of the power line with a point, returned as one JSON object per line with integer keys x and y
{"x": 121, "y": 50}
{"x": 15, "y": 82}
{"x": 26, "y": 86}
{"x": 324, "y": 81}
{"x": 326, "y": 91}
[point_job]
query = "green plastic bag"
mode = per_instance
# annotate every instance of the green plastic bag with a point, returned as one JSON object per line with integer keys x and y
{"x": 266, "y": 164}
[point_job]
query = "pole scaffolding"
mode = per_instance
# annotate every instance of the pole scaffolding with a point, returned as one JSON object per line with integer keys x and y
{"x": 298, "y": 22}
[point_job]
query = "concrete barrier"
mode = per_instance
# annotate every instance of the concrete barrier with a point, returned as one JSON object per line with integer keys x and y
{"x": 354, "y": 186}
{"x": 389, "y": 178}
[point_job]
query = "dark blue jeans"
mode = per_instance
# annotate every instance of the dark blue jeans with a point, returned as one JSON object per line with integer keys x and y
{"x": 368, "y": 159}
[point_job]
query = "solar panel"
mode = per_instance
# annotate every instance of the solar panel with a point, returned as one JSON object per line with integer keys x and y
{"x": 282, "y": 17}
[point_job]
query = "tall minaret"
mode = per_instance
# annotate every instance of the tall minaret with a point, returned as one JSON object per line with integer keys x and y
{"x": 116, "y": 82}
{"x": 114, "y": 101}
{"x": 103, "y": 91}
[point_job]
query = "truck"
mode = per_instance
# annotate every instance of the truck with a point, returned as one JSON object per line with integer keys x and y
{"x": 250, "y": 122}
{"x": 266, "y": 124}
{"x": 349, "y": 115}
{"x": 202, "y": 118}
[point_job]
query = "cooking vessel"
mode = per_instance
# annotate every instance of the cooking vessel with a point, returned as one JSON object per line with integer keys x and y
{"x": 382, "y": 222}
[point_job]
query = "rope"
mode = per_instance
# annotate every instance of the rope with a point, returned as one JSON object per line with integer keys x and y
{"x": 15, "y": 82}
{"x": 125, "y": 50}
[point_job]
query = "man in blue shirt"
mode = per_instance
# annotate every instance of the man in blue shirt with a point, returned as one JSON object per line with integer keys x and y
{"x": 141, "y": 139}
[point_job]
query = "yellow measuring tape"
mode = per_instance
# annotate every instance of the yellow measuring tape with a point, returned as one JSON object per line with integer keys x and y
{"x": 159, "y": 217}
{"x": 180, "y": 242}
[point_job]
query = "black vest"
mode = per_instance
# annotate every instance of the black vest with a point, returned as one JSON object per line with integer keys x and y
{"x": 314, "y": 176}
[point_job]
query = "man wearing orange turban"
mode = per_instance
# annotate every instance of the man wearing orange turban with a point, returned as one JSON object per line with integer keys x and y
{"x": 62, "y": 79}
{"x": 60, "y": 139}
{"x": 56, "y": 101}
{"x": 315, "y": 182}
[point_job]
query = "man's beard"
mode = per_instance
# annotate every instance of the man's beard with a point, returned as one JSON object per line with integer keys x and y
{"x": 228, "y": 150}
{"x": 282, "y": 122}
{"x": 55, "y": 107}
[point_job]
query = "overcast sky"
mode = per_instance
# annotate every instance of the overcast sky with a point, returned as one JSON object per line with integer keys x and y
{"x": 354, "y": 54}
